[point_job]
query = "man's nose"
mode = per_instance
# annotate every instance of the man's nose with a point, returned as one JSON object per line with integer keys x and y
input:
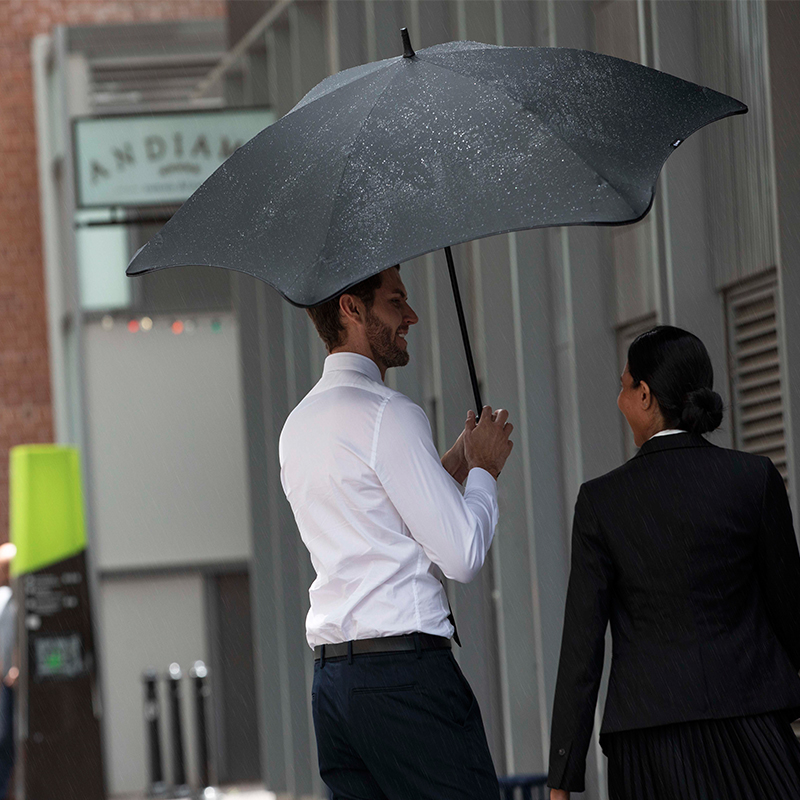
{"x": 411, "y": 316}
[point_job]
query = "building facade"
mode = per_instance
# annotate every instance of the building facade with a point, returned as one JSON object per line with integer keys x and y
{"x": 552, "y": 313}
{"x": 190, "y": 532}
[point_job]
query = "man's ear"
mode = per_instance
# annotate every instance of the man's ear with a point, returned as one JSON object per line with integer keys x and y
{"x": 351, "y": 308}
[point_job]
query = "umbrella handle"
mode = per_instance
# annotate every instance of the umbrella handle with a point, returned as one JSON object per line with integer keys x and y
{"x": 462, "y": 322}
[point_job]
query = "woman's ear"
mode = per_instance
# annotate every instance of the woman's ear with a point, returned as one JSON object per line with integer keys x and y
{"x": 645, "y": 396}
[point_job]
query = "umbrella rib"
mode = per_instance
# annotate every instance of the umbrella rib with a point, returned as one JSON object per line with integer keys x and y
{"x": 544, "y": 123}
{"x": 356, "y": 139}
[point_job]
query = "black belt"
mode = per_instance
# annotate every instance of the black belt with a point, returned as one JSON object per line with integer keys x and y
{"x": 385, "y": 644}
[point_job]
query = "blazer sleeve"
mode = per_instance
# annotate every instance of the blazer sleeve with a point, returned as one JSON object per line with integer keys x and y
{"x": 580, "y": 665}
{"x": 779, "y": 565}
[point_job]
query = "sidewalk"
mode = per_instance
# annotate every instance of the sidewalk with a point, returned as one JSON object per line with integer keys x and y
{"x": 217, "y": 793}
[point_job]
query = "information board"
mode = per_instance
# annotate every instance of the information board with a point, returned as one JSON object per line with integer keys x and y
{"x": 156, "y": 159}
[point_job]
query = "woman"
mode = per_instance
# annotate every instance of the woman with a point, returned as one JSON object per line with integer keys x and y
{"x": 688, "y": 549}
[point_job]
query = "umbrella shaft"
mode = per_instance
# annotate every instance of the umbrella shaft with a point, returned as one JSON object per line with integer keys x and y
{"x": 473, "y": 376}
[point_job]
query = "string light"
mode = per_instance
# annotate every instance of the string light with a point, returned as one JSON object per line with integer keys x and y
{"x": 133, "y": 325}
{"x": 147, "y": 324}
{"x": 177, "y": 326}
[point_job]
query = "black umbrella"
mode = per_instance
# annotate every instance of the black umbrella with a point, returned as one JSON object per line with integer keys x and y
{"x": 382, "y": 163}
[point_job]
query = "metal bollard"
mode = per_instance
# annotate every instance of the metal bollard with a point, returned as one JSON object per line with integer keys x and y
{"x": 181, "y": 788}
{"x": 152, "y": 715}
{"x": 198, "y": 673}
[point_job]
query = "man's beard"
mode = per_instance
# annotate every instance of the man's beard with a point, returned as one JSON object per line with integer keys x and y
{"x": 381, "y": 339}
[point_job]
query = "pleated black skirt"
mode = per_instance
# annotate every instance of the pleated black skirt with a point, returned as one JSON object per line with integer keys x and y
{"x": 743, "y": 758}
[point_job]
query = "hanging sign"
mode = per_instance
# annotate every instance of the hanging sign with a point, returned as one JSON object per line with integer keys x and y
{"x": 156, "y": 159}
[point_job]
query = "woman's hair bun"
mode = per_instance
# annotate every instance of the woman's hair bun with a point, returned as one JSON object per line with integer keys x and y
{"x": 702, "y": 411}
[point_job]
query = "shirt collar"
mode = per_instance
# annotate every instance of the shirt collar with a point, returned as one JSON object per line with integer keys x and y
{"x": 667, "y": 432}
{"x": 343, "y": 362}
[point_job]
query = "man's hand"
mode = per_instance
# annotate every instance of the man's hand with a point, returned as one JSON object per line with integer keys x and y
{"x": 559, "y": 794}
{"x": 454, "y": 460}
{"x": 486, "y": 442}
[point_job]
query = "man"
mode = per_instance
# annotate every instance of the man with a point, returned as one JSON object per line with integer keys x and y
{"x": 8, "y": 672}
{"x": 381, "y": 515}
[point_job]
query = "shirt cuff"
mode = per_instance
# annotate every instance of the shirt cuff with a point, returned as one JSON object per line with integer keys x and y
{"x": 479, "y": 478}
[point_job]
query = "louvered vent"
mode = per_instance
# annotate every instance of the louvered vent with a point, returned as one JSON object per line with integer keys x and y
{"x": 755, "y": 369}
{"x": 625, "y": 335}
{"x": 152, "y": 66}
{"x": 158, "y": 83}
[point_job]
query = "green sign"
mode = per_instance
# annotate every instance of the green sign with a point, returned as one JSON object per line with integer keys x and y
{"x": 156, "y": 159}
{"x": 46, "y": 514}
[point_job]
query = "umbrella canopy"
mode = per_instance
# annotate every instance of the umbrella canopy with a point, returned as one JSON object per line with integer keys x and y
{"x": 385, "y": 162}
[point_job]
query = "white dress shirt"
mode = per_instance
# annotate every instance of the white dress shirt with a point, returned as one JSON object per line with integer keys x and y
{"x": 376, "y": 509}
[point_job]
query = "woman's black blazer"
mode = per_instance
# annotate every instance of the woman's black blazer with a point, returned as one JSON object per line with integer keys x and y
{"x": 689, "y": 550}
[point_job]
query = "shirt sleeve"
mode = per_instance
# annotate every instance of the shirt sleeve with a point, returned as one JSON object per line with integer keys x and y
{"x": 778, "y": 563}
{"x": 580, "y": 665}
{"x": 455, "y": 531}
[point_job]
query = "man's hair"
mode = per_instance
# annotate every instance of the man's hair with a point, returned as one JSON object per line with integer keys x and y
{"x": 327, "y": 317}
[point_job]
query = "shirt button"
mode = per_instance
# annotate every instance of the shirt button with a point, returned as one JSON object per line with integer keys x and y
{"x": 562, "y": 752}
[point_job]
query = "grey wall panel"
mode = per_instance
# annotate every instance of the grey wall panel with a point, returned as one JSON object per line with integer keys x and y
{"x": 352, "y": 33}
{"x": 478, "y": 20}
{"x": 145, "y": 623}
{"x": 784, "y": 62}
{"x": 519, "y": 23}
{"x": 436, "y": 22}
{"x": 456, "y": 387}
{"x": 595, "y": 353}
{"x": 279, "y": 67}
{"x": 415, "y": 379}
{"x": 521, "y": 659}
{"x": 166, "y": 440}
{"x": 298, "y": 573}
{"x": 307, "y": 27}
{"x": 591, "y": 433}
{"x": 258, "y": 372}
{"x": 539, "y": 433}
{"x": 390, "y": 16}
{"x": 282, "y": 580}
{"x": 738, "y": 170}
{"x": 471, "y": 603}
{"x": 697, "y": 304}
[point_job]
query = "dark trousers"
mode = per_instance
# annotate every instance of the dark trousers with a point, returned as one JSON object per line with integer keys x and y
{"x": 6, "y": 738}
{"x": 400, "y": 726}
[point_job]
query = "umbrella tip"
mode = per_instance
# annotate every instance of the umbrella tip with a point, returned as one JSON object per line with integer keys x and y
{"x": 408, "y": 50}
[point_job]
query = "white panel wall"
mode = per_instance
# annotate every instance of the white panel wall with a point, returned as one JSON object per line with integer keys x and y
{"x": 166, "y": 442}
{"x": 146, "y": 622}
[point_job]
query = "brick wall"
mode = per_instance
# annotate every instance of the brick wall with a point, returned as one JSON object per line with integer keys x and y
{"x": 25, "y": 408}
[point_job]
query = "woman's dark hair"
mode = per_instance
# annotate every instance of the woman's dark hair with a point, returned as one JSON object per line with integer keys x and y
{"x": 675, "y": 365}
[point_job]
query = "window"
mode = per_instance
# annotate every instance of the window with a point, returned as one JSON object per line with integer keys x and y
{"x": 755, "y": 368}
